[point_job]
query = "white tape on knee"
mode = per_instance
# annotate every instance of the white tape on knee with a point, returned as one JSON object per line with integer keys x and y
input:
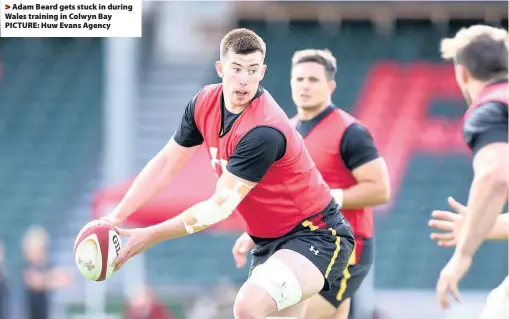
{"x": 279, "y": 281}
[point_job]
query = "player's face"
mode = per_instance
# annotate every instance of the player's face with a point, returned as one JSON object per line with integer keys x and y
{"x": 241, "y": 74}
{"x": 310, "y": 87}
{"x": 462, "y": 78}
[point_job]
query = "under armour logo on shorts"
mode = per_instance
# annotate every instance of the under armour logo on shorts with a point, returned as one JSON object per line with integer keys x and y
{"x": 312, "y": 248}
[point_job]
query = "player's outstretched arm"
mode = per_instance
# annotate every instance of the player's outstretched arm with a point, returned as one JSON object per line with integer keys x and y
{"x": 488, "y": 194}
{"x": 230, "y": 191}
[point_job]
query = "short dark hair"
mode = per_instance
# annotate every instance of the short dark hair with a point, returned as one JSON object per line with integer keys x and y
{"x": 482, "y": 50}
{"x": 322, "y": 57}
{"x": 242, "y": 41}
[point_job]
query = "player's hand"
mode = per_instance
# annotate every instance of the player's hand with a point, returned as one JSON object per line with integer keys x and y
{"x": 139, "y": 240}
{"x": 243, "y": 244}
{"x": 450, "y": 277}
{"x": 448, "y": 221}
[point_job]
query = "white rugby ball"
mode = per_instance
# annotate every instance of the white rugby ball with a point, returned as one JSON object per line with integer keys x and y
{"x": 96, "y": 247}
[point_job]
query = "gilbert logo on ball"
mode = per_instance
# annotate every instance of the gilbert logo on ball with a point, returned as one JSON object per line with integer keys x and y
{"x": 96, "y": 247}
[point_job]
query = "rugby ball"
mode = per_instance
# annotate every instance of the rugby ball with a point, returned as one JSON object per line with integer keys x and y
{"x": 96, "y": 247}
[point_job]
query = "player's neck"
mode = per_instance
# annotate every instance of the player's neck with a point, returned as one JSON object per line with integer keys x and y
{"x": 306, "y": 114}
{"x": 235, "y": 109}
{"x": 476, "y": 87}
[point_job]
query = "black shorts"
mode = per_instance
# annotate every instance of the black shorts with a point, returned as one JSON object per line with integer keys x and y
{"x": 352, "y": 277}
{"x": 325, "y": 239}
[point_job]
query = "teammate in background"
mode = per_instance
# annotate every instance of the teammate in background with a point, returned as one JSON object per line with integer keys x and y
{"x": 303, "y": 243}
{"x": 346, "y": 156}
{"x": 480, "y": 63}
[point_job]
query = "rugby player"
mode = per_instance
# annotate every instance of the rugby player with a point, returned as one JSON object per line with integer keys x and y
{"x": 303, "y": 243}
{"x": 346, "y": 156}
{"x": 480, "y": 61}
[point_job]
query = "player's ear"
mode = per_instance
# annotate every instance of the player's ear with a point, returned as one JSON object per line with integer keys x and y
{"x": 262, "y": 71}
{"x": 332, "y": 85}
{"x": 219, "y": 69}
{"x": 462, "y": 75}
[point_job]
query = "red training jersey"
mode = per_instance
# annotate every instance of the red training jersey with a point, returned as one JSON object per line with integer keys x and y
{"x": 291, "y": 190}
{"x": 323, "y": 143}
{"x": 491, "y": 93}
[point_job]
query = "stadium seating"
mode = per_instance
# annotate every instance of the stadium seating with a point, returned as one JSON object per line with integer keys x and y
{"x": 50, "y": 111}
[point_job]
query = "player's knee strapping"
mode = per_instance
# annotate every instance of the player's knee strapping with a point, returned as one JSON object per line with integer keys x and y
{"x": 279, "y": 281}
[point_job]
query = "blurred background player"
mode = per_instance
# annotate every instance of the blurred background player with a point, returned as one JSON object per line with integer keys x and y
{"x": 40, "y": 277}
{"x": 303, "y": 243}
{"x": 346, "y": 156}
{"x": 145, "y": 305}
{"x": 480, "y": 61}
